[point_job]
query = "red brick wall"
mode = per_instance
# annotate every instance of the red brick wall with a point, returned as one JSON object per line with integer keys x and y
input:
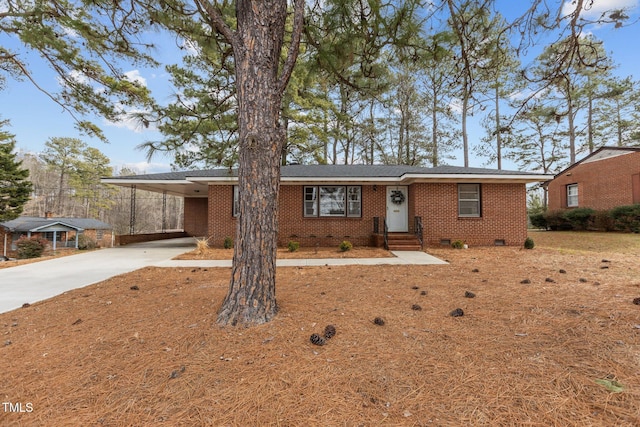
{"x": 504, "y": 216}
{"x": 602, "y": 184}
{"x": 9, "y": 237}
{"x": 106, "y": 241}
{"x": 195, "y": 216}
{"x": 327, "y": 231}
{"x": 220, "y": 214}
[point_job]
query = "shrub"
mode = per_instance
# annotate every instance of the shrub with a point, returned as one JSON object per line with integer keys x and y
{"x": 202, "y": 245}
{"x": 457, "y": 244}
{"x": 346, "y": 246}
{"x": 30, "y": 247}
{"x": 557, "y": 221}
{"x": 602, "y": 220}
{"x": 528, "y": 243}
{"x": 538, "y": 220}
{"x": 627, "y": 218}
{"x": 85, "y": 242}
{"x": 293, "y": 246}
{"x": 579, "y": 218}
{"x": 228, "y": 243}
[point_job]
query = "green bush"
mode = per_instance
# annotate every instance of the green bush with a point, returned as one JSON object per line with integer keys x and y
{"x": 601, "y": 220}
{"x": 538, "y": 220}
{"x": 86, "y": 242}
{"x": 557, "y": 221}
{"x": 579, "y": 218}
{"x": 627, "y": 218}
{"x": 31, "y": 247}
{"x": 228, "y": 243}
{"x": 293, "y": 246}
{"x": 457, "y": 244}
{"x": 528, "y": 243}
{"x": 346, "y": 246}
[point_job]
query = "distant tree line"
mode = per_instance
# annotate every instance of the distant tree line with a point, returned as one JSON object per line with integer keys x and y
{"x": 66, "y": 183}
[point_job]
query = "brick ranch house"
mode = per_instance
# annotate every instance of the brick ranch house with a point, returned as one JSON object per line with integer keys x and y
{"x": 59, "y": 232}
{"x": 607, "y": 178}
{"x": 326, "y": 204}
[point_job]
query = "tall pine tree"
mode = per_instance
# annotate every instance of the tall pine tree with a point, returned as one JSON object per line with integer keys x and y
{"x": 15, "y": 186}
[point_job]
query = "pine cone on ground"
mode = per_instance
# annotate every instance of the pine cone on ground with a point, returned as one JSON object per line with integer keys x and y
{"x": 329, "y": 331}
{"x": 457, "y": 313}
{"x": 317, "y": 340}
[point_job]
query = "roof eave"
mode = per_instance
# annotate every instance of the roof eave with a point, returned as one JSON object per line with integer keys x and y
{"x": 500, "y": 178}
{"x": 404, "y": 179}
{"x": 124, "y": 182}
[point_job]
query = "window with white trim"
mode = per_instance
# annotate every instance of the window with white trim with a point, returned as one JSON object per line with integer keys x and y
{"x": 469, "y": 200}
{"x": 236, "y": 201}
{"x": 332, "y": 201}
{"x": 572, "y": 195}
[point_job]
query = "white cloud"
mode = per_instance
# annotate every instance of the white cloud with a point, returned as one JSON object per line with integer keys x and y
{"x": 599, "y": 7}
{"x": 129, "y": 120}
{"x": 134, "y": 76}
{"x": 191, "y": 47}
{"x": 141, "y": 168}
{"x": 78, "y": 77}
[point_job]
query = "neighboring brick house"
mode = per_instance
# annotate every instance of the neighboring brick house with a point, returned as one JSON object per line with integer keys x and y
{"x": 606, "y": 178}
{"x": 326, "y": 204}
{"x": 60, "y": 232}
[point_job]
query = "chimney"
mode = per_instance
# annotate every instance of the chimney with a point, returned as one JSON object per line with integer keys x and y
{"x": 48, "y": 214}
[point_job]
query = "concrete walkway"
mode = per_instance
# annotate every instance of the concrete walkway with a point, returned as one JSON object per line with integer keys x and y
{"x": 45, "y": 279}
{"x": 400, "y": 258}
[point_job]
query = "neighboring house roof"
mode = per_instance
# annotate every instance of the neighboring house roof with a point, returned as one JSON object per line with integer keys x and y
{"x": 39, "y": 224}
{"x": 602, "y": 154}
{"x": 194, "y": 183}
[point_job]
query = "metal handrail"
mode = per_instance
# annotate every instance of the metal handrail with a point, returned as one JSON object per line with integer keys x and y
{"x": 386, "y": 234}
{"x": 417, "y": 228}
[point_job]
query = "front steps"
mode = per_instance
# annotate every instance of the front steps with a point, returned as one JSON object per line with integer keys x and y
{"x": 403, "y": 242}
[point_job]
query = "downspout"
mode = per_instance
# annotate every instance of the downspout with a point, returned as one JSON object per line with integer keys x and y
{"x": 5, "y": 244}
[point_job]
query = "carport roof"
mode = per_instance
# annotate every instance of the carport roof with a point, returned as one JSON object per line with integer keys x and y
{"x": 194, "y": 183}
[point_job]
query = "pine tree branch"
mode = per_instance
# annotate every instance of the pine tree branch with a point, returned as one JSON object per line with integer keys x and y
{"x": 294, "y": 49}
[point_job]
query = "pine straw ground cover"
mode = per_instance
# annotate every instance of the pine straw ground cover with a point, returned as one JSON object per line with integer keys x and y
{"x": 143, "y": 349}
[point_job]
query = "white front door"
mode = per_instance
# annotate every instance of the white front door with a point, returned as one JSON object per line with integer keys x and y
{"x": 398, "y": 209}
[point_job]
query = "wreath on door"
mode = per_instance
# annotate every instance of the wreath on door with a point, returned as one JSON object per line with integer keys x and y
{"x": 397, "y": 197}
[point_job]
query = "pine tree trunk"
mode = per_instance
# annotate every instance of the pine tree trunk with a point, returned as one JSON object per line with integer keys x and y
{"x": 251, "y": 298}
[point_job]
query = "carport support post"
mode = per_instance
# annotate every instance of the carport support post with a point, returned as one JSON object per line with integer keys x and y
{"x": 132, "y": 213}
{"x": 164, "y": 211}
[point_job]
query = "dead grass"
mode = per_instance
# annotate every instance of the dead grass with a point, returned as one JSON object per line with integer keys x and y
{"x": 522, "y": 354}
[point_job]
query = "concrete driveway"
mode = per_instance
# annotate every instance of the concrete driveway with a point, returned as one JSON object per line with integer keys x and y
{"x": 34, "y": 282}
{"x": 41, "y": 280}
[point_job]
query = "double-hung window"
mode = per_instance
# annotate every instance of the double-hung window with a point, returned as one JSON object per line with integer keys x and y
{"x": 572, "y": 195}
{"x": 469, "y": 200}
{"x": 332, "y": 201}
{"x": 236, "y": 201}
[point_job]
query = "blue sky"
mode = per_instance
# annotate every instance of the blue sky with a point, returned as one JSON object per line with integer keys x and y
{"x": 35, "y": 118}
